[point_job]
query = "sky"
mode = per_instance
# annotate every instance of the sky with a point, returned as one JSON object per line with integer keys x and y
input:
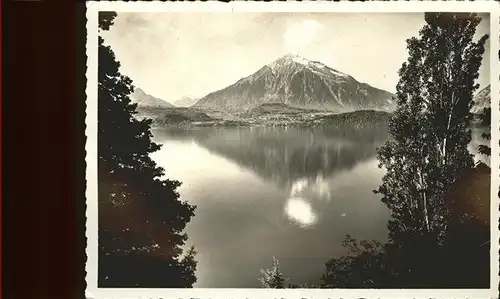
{"x": 173, "y": 55}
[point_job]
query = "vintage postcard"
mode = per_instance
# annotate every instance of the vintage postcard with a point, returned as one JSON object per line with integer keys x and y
{"x": 292, "y": 150}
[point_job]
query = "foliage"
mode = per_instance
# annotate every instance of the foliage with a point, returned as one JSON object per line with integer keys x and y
{"x": 439, "y": 231}
{"x": 363, "y": 267}
{"x": 416, "y": 261}
{"x": 273, "y": 277}
{"x": 485, "y": 118}
{"x": 140, "y": 217}
{"x": 430, "y": 129}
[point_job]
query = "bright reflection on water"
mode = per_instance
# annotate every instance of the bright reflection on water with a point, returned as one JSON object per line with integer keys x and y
{"x": 298, "y": 207}
{"x": 300, "y": 211}
{"x": 264, "y": 192}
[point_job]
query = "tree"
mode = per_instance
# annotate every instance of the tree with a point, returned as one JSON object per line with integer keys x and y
{"x": 141, "y": 218}
{"x": 485, "y": 118}
{"x": 427, "y": 155}
{"x": 438, "y": 198}
{"x": 363, "y": 267}
{"x": 273, "y": 277}
{"x": 430, "y": 129}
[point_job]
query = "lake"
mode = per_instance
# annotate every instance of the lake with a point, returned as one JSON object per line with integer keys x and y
{"x": 291, "y": 193}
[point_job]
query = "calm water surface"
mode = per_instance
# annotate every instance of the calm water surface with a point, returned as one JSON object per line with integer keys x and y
{"x": 285, "y": 192}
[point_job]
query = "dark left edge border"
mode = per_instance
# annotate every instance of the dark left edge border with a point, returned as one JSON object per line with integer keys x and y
{"x": 43, "y": 101}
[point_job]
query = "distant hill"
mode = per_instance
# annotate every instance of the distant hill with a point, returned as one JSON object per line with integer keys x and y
{"x": 176, "y": 116}
{"x": 185, "y": 102}
{"x": 275, "y": 108}
{"x": 482, "y": 100}
{"x": 301, "y": 83}
{"x": 145, "y": 100}
{"x": 362, "y": 119}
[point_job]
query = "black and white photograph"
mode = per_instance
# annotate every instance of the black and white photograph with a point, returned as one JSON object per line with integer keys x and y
{"x": 268, "y": 149}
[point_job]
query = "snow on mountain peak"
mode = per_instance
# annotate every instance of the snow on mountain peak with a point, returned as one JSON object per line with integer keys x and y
{"x": 288, "y": 59}
{"x": 292, "y": 58}
{"x": 296, "y": 58}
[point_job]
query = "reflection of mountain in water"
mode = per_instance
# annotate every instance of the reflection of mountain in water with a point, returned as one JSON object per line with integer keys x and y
{"x": 285, "y": 155}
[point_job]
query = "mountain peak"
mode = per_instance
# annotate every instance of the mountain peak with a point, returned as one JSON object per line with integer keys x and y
{"x": 186, "y": 101}
{"x": 289, "y": 59}
{"x": 294, "y": 57}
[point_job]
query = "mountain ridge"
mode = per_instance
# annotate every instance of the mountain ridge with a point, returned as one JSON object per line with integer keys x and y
{"x": 146, "y": 100}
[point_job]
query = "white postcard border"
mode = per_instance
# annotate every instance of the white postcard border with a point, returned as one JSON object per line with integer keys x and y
{"x": 91, "y": 146}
